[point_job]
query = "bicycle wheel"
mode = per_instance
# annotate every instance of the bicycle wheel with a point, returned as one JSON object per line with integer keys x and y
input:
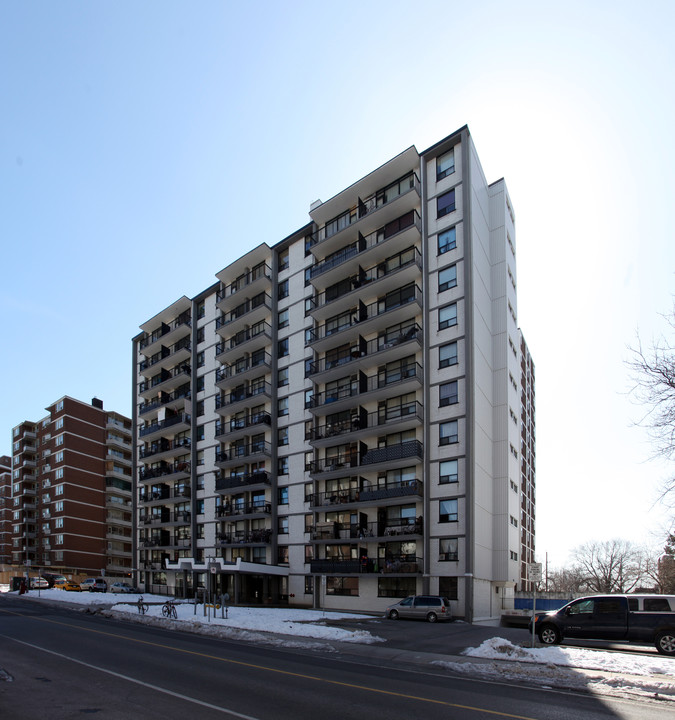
{"x": 165, "y": 611}
{"x": 174, "y": 614}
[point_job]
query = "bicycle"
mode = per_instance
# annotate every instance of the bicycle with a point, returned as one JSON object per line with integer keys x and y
{"x": 142, "y": 606}
{"x": 169, "y": 610}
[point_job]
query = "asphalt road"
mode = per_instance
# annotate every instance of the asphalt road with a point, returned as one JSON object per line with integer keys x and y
{"x": 56, "y": 663}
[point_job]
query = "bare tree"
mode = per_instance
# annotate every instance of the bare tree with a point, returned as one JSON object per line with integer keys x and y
{"x": 613, "y": 566}
{"x": 653, "y": 372}
{"x": 565, "y": 580}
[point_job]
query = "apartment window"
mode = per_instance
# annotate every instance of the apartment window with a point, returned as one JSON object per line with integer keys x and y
{"x": 199, "y": 507}
{"x": 513, "y": 555}
{"x": 309, "y": 584}
{"x": 282, "y": 290}
{"x": 200, "y": 431}
{"x": 200, "y": 383}
{"x": 445, "y": 164}
{"x": 282, "y": 406}
{"x": 447, "y": 240}
{"x": 59, "y": 406}
{"x": 200, "y": 482}
{"x": 445, "y": 203}
{"x": 447, "y": 394}
{"x": 393, "y": 587}
{"x": 447, "y": 586}
{"x": 58, "y": 440}
{"x": 448, "y": 550}
{"x": 201, "y": 334}
{"x": 58, "y": 424}
{"x": 342, "y": 586}
{"x": 282, "y": 377}
{"x": 282, "y": 525}
{"x": 200, "y": 411}
{"x": 448, "y": 471}
{"x": 447, "y": 278}
{"x": 282, "y": 348}
{"x": 201, "y": 310}
{"x": 448, "y": 432}
{"x": 284, "y": 262}
{"x": 282, "y": 436}
{"x": 58, "y": 474}
{"x": 58, "y": 506}
{"x": 58, "y": 490}
{"x": 282, "y": 496}
{"x": 513, "y": 521}
{"x": 201, "y": 359}
{"x": 58, "y": 539}
{"x": 447, "y": 511}
{"x": 447, "y": 355}
{"x": 282, "y": 319}
{"x": 282, "y": 556}
{"x": 447, "y": 316}
{"x": 282, "y": 466}
{"x": 58, "y": 522}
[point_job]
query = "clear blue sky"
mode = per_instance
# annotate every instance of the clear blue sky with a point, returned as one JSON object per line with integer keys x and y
{"x": 144, "y": 146}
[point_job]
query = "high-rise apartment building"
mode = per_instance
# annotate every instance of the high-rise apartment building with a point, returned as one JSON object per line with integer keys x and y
{"x": 339, "y": 420}
{"x": 5, "y": 509}
{"x": 71, "y": 491}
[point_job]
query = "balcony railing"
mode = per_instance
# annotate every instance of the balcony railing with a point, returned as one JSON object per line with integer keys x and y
{"x": 365, "y": 243}
{"x": 165, "y": 352}
{"x": 234, "y": 509}
{"x": 260, "y": 300}
{"x": 239, "y": 394}
{"x": 394, "y": 564}
{"x": 182, "y": 418}
{"x": 223, "y": 428}
{"x": 366, "y": 530}
{"x": 374, "y": 202}
{"x": 165, "y": 328}
{"x": 163, "y": 470}
{"x": 163, "y": 377}
{"x": 262, "y": 359}
{"x": 253, "y": 537}
{"x": 367, "y": 384}
{"x": 244, "y": 281}
{"x": 163, "y": 493}
{"x": 163, "y": 445}
{"x": 243, "y": 336}
{"x": 358, "y": 315}
{"x": 259, "y": 477}
{"x": 239, "y": 452}
{"x": 359, "y": 421}
{"x": 407, "y": 488}
{"x": 166, "y": 398}
{"x": 401, "y": 451}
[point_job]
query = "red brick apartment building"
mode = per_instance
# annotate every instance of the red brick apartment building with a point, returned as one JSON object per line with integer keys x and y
{"x": 5, "y": 509}
{"x": 70, "y": 493}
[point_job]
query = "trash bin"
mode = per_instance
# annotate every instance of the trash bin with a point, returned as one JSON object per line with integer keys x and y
{"x": 16, "y": 583}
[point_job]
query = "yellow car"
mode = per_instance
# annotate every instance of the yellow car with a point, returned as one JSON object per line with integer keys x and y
{"x": 67, "y": 585}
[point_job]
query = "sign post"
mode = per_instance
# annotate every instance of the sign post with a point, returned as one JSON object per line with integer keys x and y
{"x": 534, "y": 576}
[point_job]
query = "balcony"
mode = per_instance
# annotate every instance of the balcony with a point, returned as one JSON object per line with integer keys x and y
{"x": 253, "y": 282}
{"x": 163, "y": 494}
{"x": 397, "y": 565}
{"x": 244, "y": 510}
{"x": 172, "y": 401}
{"x": 166, "y": 381}
{"x": 250, "y": 339}
{"x": 178, "y": 423}
{"x": 258, "y": 480}
{"x": 163, "y": 449}
{"x": 376, "y": 531}
{"x": 377, "y": 210}
{"x": 239, "y": 427}
{"x": 395, "y": 307}
{"x": 368, "y": 495}
{"x": 251, "y": 311}
{"x": 399, "y": 418}
{"x": 170, "y": 471}
{"x": 241, "y": 398}
{"x": 252, "y": 452}
{"x": 375, "y": 250}
{"x": 166, "y": 357}
{"x": 243, "y": 368}
{"x": 168, "y": 333}
{"x": 386, "y": 458}
{"x": 404, "y": 379}
{"x": 252, "y": 537}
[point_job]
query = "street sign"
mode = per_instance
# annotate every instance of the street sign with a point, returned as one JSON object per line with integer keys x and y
{"x": 534, "y": 572}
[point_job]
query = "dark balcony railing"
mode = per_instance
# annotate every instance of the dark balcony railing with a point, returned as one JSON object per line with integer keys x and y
{"x": 164, "y": 376}
{"x": 262, "y": 328}
{"x": 360, "y": 421}
{"x": 397, "y": 299}
{"x": 368, "y": 384}
{"x": 260, "y": 300}
{"x": 165, "y": 328}
{"x": 260, "y": 477}
{"x": 240, "y": 394}
{"x": 367, "y": 494}
{"x": 253, "y": 537}
{"x": 343, "y": 461}
{"x": 165, "y": 352}
{"x": 398, "y": 564}
{"x": 379, "y": 199}
{"x": 232, "y": 509}
{"x": 164, "y": 445}
{"x": 223, "y": 428}
{"x": 165, "y": 398}
{"x": 366, "y": 530}
{"x": 261, "y": 359}
{"x": 243, "y": 451}
{"x": 151, "y": 495}
{"x": 244, "y": 281}
{"x": 363, "y": 244}
{"x": 181, "y": 418}
{"x": 164, "y": 469}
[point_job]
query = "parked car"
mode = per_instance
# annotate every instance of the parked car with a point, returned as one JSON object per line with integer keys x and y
{"x": 53, "y": 578}
{"x": 94, "y": 585}
{"x": 66, "y": 584}
{"x": 424, "y": 607}
{"x": 38, "y": 583}
{"x": 122, "y": 587}
{"x": 643, "y": 619}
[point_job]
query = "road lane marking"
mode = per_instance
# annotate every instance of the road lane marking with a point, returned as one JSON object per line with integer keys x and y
{"x": 254, "y": 666}
{"x": 137, "y": 682}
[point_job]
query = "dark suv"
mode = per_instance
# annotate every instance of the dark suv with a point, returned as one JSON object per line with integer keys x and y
{"x": 425, "y": 607}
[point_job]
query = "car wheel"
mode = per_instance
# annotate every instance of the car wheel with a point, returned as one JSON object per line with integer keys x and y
{"x": 393, "y": 615}
{"x": 665, "y": 642}
{"x": 549, "y": 635}
{"x": 432, "y": 617}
